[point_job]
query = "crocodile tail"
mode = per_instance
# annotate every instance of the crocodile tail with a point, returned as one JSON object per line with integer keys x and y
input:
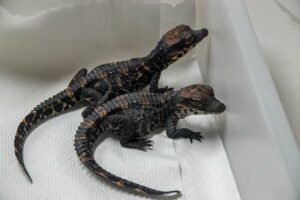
{"x": 84, "y": 141}
{"x": 56, "y": 104}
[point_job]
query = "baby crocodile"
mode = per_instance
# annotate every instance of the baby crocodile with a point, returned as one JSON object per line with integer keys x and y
{"x": 134, "y": 115}
{"x": 110, "y": 80}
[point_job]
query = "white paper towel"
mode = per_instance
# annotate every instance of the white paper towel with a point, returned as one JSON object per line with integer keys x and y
{"x": 39, "y": 54}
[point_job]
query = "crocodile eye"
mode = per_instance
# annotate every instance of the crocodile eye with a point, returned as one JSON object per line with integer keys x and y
{"x": 189, "y": 39}
{"x": 197, "y": 103}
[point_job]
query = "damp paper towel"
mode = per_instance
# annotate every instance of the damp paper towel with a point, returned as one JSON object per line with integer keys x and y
{"x": 43, "y": 47}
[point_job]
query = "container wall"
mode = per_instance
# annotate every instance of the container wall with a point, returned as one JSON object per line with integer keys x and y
{"x": 256, "y": 135}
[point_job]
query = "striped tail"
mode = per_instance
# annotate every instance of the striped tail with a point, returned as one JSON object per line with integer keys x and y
{"x": 84, "y": 141}
{"x": 57, "y": 104}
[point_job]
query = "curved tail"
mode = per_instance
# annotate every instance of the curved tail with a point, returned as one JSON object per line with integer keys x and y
{"x": 56, "y": 104}
{"x": 84, "y": 141}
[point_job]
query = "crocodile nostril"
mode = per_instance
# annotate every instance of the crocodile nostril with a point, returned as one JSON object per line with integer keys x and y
{"x": 204, "y": 32}
{"x": 200, "y": 34}
{"x": 222, "y": 107}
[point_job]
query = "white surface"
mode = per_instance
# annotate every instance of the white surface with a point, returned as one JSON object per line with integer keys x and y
{"x": 278, "y": 32}
{"x": 39, "y": 54}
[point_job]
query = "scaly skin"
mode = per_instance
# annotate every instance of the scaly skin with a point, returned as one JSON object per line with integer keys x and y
{"x": 110, "y": 80}
{"x": 132, "y": 116}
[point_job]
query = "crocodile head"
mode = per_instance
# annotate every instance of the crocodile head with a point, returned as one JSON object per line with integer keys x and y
{"x": 197, "y": 99}
{"x": 177, "y": 42}
{"x": 174, "y": 44}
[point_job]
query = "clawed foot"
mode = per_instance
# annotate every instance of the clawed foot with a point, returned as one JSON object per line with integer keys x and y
{"x": 140, "y": 144}
{"x": 187, "y": 133}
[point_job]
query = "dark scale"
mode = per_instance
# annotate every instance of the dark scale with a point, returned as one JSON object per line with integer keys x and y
{"x": 58, "y": 107}
{"x": 135, "y": 116}
{"x": 110, "y": 80}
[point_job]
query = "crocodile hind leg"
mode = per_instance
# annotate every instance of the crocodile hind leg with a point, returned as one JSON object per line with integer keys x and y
{"x": 154, "y": 85}
{"x": 94, "y": 97}
{"x": 129, "y": 130}
{"x": 173, "y": 132}
{"x": 90, "y": 95}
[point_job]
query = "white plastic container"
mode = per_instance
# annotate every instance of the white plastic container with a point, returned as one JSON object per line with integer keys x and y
{"x": 43, "y": 46}
{"x": 259, "y": 144}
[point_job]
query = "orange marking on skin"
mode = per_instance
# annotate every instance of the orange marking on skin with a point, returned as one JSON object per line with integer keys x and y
{"x": 102, "y": 75}
{"x": 103, "y": 174}
{"x": 83, "y": 124}
{"x": 80, "y": 138}
{"x": 89, "y": 123}
{"x": 83, "y": 158}
{"x": 196, "y": 91}
{"x": 101, "y": 111}
{"x": 124, "y": 71}
{"x": 171, "y": 37}
{"x": 124, "y": 106}
{"x": 140, "y": 190}
{"x": 69, "y": 92}
{"x": 82, "y": 82}
{"x": 120, "y": 101}
{"x": 120, "y": 183}
{"x": 118, "y": 98}
{"x": 146, "y": 67}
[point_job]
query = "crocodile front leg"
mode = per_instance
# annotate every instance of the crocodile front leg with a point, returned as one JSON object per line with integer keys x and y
{"x": 173, "y": 132}
{"x": 154, "y": 84}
